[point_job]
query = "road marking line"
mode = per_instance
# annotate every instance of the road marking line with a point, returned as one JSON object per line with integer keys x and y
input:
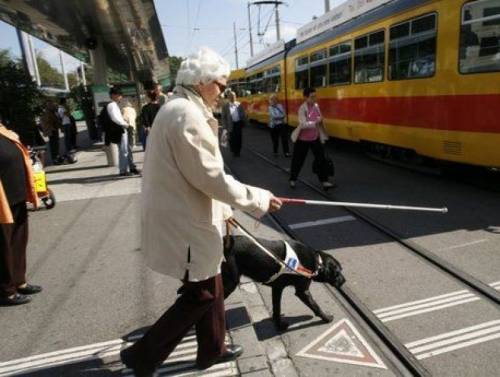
{"x": 496, "y": 284}
{"x": 342, "y": 343}
{"x": 382, "y": 310}
{"x": 452, "y": 333}
{"x": 410, "y": 314}
{"x": 457, "y": 346}
{"x": 427, "y": 305}
{"x": 86, "y": 353}
{"x": 456, "y": 340}
{"x": 332, "y": 220}
{"x": 462, "y": 245}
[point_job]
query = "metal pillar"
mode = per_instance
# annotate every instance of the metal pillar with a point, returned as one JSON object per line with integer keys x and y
{"x": 277, "y": 17}
{"x": 33, "y": 60}
{"x": 250, "y": 30}
{"x": 327, "y": 6}
{"x": 28, "y": 55}
{"x": 235, "y": 45}
{"x": 82, "y": 70}
{"x": 63, "y": 68}
{"x": 98, "y": 60}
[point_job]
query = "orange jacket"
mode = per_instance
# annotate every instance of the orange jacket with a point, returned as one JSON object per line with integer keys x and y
{"x": 5, "y": 212}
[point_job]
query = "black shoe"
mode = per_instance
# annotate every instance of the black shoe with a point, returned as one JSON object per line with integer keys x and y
{"x": 287, "y": 155}
{"x": 233, "y": 351}
{"x": 135, "y": 171}
{"x": 139, "y": 370}
{"x": 30, "y": 289}
{"x": 125, "y": 174}
{"x": 18, "y": 299}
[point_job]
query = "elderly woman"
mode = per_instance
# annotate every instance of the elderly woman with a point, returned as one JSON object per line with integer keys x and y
{"x": 309, "y": 134}
{"x": 186, "y": 198}
{"x": 277, "y": 125}
{"x": 233, "y": 120}
{"x": 16, "y": 188}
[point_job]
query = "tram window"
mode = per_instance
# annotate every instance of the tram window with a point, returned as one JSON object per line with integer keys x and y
{"x": 340, "y": 64}
{"x": 318, "y": 76}
{"x": 301, "y": 79}
{"x": 318, "y": 68}
{"x": 412, "y": 48}
{"x": 369, "y": 58}
{"x": 480, "y": 37}
{"x": 275, "y": 84}
{"x": 301, "y": 73}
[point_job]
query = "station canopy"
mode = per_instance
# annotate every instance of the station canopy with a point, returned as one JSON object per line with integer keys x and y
{"x": 127, "y": 32}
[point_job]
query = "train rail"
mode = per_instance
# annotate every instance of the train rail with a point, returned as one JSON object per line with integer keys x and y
{"x": 403, "y": 361}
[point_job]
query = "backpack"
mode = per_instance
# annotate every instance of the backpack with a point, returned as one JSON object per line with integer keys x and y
{"x": 112, "y": 131}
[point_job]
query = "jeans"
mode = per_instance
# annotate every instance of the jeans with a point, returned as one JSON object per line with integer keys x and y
{"x": 125, "y": 156}
{"x": 67, "y": 138}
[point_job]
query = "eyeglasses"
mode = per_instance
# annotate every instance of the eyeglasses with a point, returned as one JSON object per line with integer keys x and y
{"x": 221, "y": 86}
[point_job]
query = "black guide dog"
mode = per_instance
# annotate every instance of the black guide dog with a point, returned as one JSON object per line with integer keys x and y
{"x": 243, "y": 257}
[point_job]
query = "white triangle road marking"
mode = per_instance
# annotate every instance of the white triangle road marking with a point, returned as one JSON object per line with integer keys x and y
{"x": 344, "y": 344}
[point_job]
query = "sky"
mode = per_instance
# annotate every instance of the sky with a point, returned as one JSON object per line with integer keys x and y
{"x": 190, "y": 24}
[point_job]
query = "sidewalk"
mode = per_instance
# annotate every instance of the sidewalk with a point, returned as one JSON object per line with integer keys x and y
{"x": 98, "y": 295}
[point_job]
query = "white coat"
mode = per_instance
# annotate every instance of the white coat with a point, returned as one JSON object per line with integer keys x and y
{"x": 186, "y": 195}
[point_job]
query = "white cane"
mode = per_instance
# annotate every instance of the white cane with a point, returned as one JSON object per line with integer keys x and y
{"x": 362, "y": 205}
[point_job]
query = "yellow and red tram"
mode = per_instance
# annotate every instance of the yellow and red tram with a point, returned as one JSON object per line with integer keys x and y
{"x": 420, "y": 75}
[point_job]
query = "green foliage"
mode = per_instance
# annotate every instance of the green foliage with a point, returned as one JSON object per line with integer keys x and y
{"x": 5, "y": 57}
{"x": 49, "y": 76}
{"x": 20, "y": 99}
{"x": 174, "y": 62}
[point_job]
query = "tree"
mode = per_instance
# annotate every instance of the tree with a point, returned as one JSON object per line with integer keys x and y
{"x": 49, "y": 76}
{"x": 20, "y": 100}
{"x": 5, "y": 57}
{"x": 174, "y": 63}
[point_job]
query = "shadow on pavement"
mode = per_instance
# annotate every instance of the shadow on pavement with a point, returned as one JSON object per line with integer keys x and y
{"x": 55, "y": 170}
{"x": 95, "y": 179}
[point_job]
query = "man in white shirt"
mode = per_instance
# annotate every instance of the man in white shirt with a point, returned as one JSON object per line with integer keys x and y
{"x": 63, "y": 114}
{"x": 125, "y": 160}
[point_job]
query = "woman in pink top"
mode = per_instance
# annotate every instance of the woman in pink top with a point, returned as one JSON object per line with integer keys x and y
{"x": 309, "y": 134}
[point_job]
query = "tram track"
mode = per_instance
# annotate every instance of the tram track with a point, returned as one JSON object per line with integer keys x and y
{"x": 399, "y": 355}
{"x": 463, "y": 277}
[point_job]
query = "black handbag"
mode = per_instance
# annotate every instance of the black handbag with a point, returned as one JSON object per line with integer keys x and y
{"x": 326, "y": 166}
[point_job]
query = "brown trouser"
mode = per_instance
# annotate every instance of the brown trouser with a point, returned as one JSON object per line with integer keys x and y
{"x": 13, "y": 242}
{"x": 200, "y": 304}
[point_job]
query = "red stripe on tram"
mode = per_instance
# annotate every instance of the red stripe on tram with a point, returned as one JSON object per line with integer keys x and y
{"x": 472, "y": 113}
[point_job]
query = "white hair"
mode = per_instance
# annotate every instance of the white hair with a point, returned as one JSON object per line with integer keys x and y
{"x": 202, "y": 67}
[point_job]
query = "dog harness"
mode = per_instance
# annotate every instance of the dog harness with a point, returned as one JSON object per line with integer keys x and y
{"x": 292, "y": 265}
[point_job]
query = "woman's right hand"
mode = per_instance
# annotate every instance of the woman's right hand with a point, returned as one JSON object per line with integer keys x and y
{"x": 274, "y": 204}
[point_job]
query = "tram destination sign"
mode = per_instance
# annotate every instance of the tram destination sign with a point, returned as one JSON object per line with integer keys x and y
{"x": 338, "y": 15}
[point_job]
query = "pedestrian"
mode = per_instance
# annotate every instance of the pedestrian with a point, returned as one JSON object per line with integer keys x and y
{"x": 309, "y": 134}
{"x": 64, "y": 116}
{"x": 17, "y": 187}
{"x": 186, "y": 196}
{"x": 129, "y": 115}
{"x": 116, "y": 124}
{"x": 278, "y": 126}
{"x": 148, "y": 115}
{"x": 162, "y": 97}
{"x": 51, "y": 124}
{"x": 73, "y": 132}
{"x": 233, "y": 120}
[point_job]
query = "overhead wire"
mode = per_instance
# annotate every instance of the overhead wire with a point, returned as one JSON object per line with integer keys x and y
{"x": 195, "y": 25}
